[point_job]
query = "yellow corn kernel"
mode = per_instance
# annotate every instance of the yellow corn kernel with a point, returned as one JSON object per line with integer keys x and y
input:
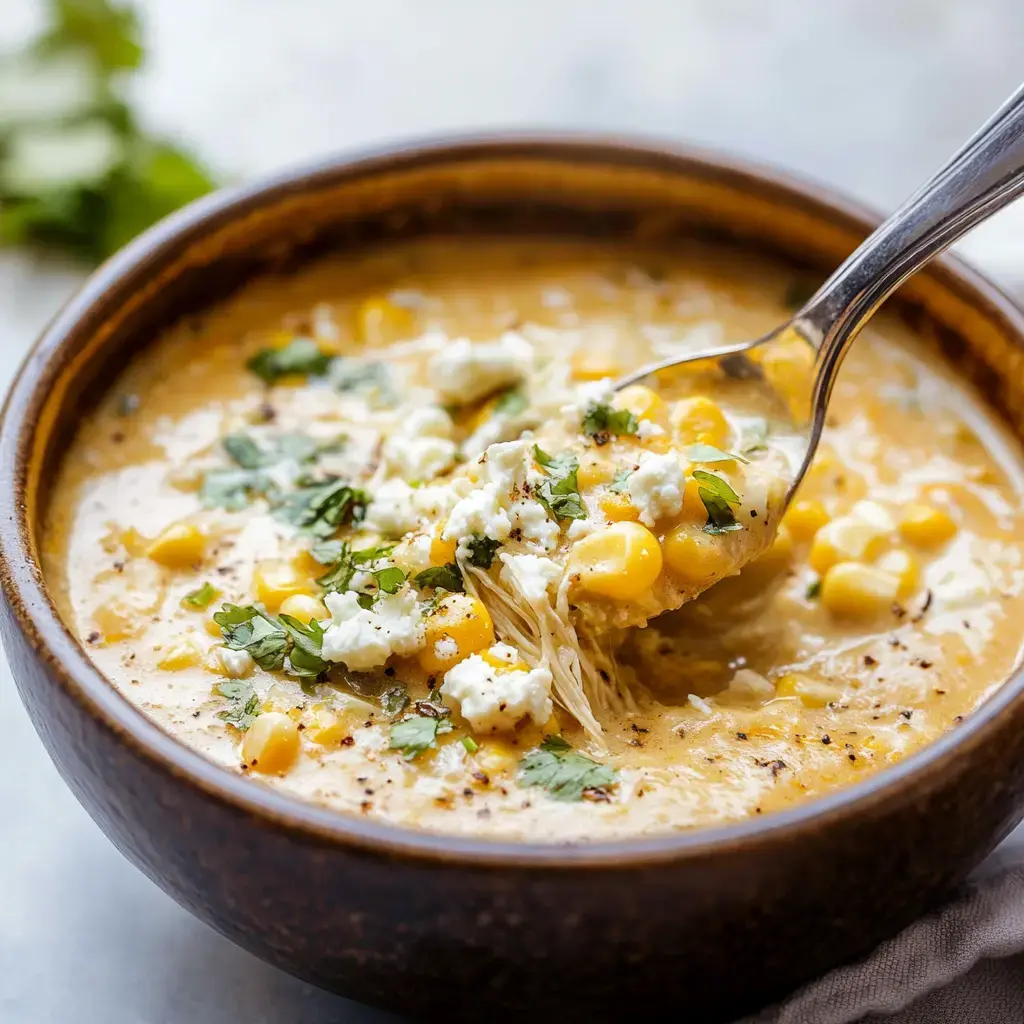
{"x": 442, "y": 552}
{"x": 691, "y": 554}
{"x": 621, "y": 561}
{"x": 845, "y": 539}
{"x": 643, "y": 403}
{"x": 594, "y": 470}
{"x": 617, "y": 508}
{"x": 804, "y": 519}
{"x": 212, "y": 627}
{"x": 133, "y": 542}
{"x": 592, "y": 362}
{"x": 504, "y": 666}
{"x": 780, "y": 554}
{"x": 851, "y": 590}
{"x": 926, "y": 526}
{"x": 901, "y": 564}
{"x": 811, "y": 692}
{"x": 180, "y": 654}
{"x": 329, "y": 729}
{"x": 459, "y": 626}
{"x": 303, "y": 607}
{"x": 698, "y": 420}
{"x": 179, "y": 546}
{"x": 497, "y": 755}
{"x": 380, "y": 322}
{"x": 788, "y": 365}
{"x": 693, "y": 510}
{"x": 275, "y": 580}
{"x": 187, "y": 479}
{"x": 271, "y": 743}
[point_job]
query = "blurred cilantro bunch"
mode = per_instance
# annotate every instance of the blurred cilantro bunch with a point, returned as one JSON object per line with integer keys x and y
{"x": 77, "y": 170}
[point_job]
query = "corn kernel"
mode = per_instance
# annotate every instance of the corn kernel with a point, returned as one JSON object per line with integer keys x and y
{"x": 855, "y": 591}
{"x": 459, "y": 626}
{"x": 594, "y": 470}
{"x": 780, "y": 554}
{"x": 271, "y": 743}
{"x": 693, "y": 510}
{"x": 329, "y": 729}
{"x": 497, "y": 755}
{"x": 901, "y": 564}
{"x": 125, "y": 615}
{"x": 133, "y": 542}
{"x": 926, "y": 526}
{"x": 594, "y": 363}
{"x": 620, "y": 561}
{"x": 643, "y": 403}
{"x": 303, "y": 607}
{"x": 617, "y": 508}
{"x": 811, "y": 692}
{"x": 442, "y": 552}
{"x": 804, "y": 519}
{"x": 179, "y": 546}
{"x": 698, "y": 420}
{"x": 692, "y": 555}
{"x": 212, "y": 627}
{"x": 502, "y": 665}
{"x": 788, "y": 365}
{"x": 380, "y": 322}
{"x": 845, "y": 539}
{"x": 180, "y": 654}
{"x": 275, "y": 580}
{"x": 187, "y": 479}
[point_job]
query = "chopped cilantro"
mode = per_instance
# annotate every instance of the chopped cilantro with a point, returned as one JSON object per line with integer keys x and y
{"x": 482, "y": 551}
{"x": 201, "y": 597}
{"x": 389, "y": 579}
{"x": 813, "y": 590}
{"x": 563, "y": 772}
{"x": 717, "y": 496}
{"x": 302, "y": 357}
{"x": 754, "y": 436}
{"x": 709, "y": 453}
{"x": 375, "y": 377}
{"x": 321, "y": 508}
{"x": 442, "y": 577}
{"x": 305, "y": 656}
{"x": 394, "y": 700}
{"x": 470, "y": 744}
{"x": 414, "y": 735}
{"x": 618, "y": 485}
{"x": 601, "y": 420}
{"x": 233, "y": 489}
{"x": 344, "y": 563}
{"x": 511, "y": 403}
{"x": 243, "y": 703}
{"x": 560, "y": 493}
{"x": 269, "y": 640}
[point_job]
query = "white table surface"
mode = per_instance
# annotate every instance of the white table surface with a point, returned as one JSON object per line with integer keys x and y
{"x": 868, "y": 95}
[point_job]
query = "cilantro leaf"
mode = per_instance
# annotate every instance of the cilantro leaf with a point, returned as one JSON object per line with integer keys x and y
{"x": 709, "y": 453}
{"x": 373, "y": 378}
{"x": 201, "y": 597}
{"x": 560, "y": 493}
{"x": 246, "y": 628}
{"x": 247, "y": 453}
{"x": 300, "y": 357}
{"x": 717, "y": 496}
{"x": 243, "y": 703}
{"x": 322, "y": 508}
{"x": 482, "y": 551}
{"x": 414, "y": 735}
{"x": 813, "y": 590}
{"x": 345, "y": 562}
{"x": 442, "y": 577}
{"x": 562, "y": 771}
{"x": 394, "y": 700}
{"x": 619, "y": 484}
{"x": 601, "y": 420}
{"x": 389, "y": 579}
{"x": 754, "y": 436}
{"x": 511, "y": 403}
{"x": 307, "y": 642}
{"x": 233, "y": 489}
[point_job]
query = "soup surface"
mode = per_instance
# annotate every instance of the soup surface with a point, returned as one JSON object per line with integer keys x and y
{"x": 379, "y": 534}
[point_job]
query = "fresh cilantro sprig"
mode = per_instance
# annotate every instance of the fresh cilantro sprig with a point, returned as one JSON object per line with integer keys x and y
{"x": 565, "y": 773}
{"x": 243, "y": 703}
{"x": 321, "y": 508}
{"x": 412, "y": 736}
{"x": 621, "y": 481}
{"x": 718, "y": 497}
{"x": 345, "y": 563}
{"x": 600, "y": 421}
{"x": 300, "y": 357}
{"x": 442, "y": 577}
{"x": 482, "y": 551}
{"x": 560, "y": 493}
{"x": 269, "y": 640}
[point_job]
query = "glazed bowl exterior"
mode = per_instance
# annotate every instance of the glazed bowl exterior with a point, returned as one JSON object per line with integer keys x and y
{"x": 706, "y": 924}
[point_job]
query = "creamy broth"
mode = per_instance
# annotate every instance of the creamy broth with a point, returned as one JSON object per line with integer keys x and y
{"x": 880, "y": 613}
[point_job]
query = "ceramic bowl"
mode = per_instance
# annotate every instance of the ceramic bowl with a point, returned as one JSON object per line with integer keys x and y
{"x": 705, "y": 924}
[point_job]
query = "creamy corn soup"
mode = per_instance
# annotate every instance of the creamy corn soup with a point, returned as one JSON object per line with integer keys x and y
{"x": 380, "y": 535}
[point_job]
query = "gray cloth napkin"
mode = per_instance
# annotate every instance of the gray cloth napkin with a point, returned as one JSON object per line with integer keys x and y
{"x": 964, "y": 963}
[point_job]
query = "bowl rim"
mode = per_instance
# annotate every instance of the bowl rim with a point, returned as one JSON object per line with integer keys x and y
{"x": 38, "y": 620}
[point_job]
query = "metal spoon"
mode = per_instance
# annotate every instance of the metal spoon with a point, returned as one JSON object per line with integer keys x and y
{"x": 983, "y": 177}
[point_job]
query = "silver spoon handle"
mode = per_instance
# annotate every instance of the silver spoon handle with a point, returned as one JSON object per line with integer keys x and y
{"x": 984, "y": 176}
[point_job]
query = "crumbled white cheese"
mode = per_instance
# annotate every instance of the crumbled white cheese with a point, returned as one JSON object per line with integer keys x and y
{"x": 363, "y": 638}
{"x": 392, "y": 513}
{"x": 445, "y": 648}
{"x": 236, "y": 664}
{"x": 656, "y": 487}
{"x": 700, "y": 704}
{"x": 580, "y": 528}
{"x": 427, "y": 421}
{"x": 464, "y": 371}
{"x": 480, "y": 512}
{"x": 418, "y": 458}
{"x": 506, "y": 463}
{"x": 534, "y": 524}
{"x": 529, "y": 575}
{"x": 646, "y": 430}
{"x": 504, "y": 652}
{"x": 591, "y": 392}
{"x": 496, "y": 700}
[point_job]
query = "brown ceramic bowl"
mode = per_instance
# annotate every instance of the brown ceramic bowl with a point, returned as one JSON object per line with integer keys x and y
{"x": 713, "y": 923}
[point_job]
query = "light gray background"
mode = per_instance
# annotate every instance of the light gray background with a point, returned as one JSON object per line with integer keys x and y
{"x": 869, "y": 95}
